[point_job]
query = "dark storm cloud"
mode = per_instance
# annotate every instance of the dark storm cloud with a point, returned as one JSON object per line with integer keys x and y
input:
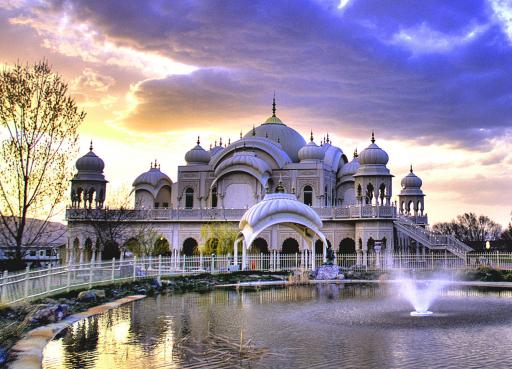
{"x": 434, "y": 70}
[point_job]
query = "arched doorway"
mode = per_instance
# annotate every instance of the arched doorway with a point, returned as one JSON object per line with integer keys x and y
{"x": 319, "y": 246}
{"x": 290, "y": 246}
{"x": 259, "y": 246}
{"x": 161, "y": 247}
{"x": 347, "y": 246}
{"x": 189, "y": 247}
{"x": 110, "y": 251}
{"x": 371, "y": 244}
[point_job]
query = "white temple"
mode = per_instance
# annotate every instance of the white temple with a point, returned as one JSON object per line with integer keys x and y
{"x": 286, "y": 195}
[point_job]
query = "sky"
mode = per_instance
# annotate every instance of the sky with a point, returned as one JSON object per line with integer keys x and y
{"x": 433, "y": 79}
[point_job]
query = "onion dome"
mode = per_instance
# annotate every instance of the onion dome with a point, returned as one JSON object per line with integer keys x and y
{"x": 373, "y": 155}
{"x": 152, "y": 177}
{"x": 411, "y": 181}
{"x": 275, "y": 130}
{"x": 197, "y": 155}
{"x": 90, "y": 162}
{"x": 351, "y": 168}
{"x": 311, "y": 152}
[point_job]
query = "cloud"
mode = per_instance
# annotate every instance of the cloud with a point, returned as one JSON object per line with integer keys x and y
{"x": 444, "y": 79}
{"x": 91, "y": 80}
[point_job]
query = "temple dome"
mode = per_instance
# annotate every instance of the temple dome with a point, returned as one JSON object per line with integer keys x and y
{"x": 197, "y": 155}
{"x": 90, "y": 162}
{"x": 274, "y": 129}
{"x": 351, "y": 167}
{"x": 152, "y": 177}
{"x": 311, "y": 152}
{"x": 411, "y": 180}
{"x": 373, "y": 155}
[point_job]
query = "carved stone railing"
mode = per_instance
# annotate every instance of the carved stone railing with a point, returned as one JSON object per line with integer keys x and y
{"x": 325, "y": 213}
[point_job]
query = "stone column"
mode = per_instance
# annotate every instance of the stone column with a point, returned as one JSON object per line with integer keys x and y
{"x": 244, "y": 255}
{"x": 358, "y": 256}
{"x": 313, "y": 255}
{"x": 235, "y": 253}
{"x": 365, "y": 258}
{"x": 324, "y": 250}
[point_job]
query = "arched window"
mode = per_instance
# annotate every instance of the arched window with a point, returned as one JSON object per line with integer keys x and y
{"x": 347, "y": 246}
{"x": 308, "y": 195}
{"x": 325, "y": 196}
{"x": 189, "y": 198}
{"x": 359, "y": 190}
{"x": 214, "y": 197}
{"x": 382, "y": 193}
{"x": 259, "y": 245}
{"x": 369, "y": 193}
{"x": 319, "y": 246}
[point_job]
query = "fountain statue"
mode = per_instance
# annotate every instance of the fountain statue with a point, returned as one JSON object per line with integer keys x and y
{"x": 329, "y": 270}
{"x": 421, "y": 294}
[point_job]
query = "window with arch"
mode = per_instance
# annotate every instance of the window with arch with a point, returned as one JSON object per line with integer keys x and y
{"x": 326, "y": 200}
{"x": 369, "y": 193}
{"x": 214, "y": 197}
{"x": 382, "y": 192}
{"x": 189, "y": 198}
{"x": 308, "y": 195}
{"x": 359, "y": 190}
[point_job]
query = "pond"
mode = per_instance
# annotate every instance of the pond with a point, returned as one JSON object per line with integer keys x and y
{"x": 321, "y": 326}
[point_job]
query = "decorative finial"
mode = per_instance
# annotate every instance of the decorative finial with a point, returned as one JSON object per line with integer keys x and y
{"x": 210, "y": 147}
{"x": 220, "y": 141}
{"x": 240, "y": 134}
{"x": 411, "y": 168}
{"x": 355, "y": 153}
{"x": 198, "y": 140}
{"x": 229, "y": 141}
{"x": 328, "y": 141}
{"x": 373, "y": 137}
{"x": 156, "y": 163}
{"x": 311, "y": 136}
{"x": 253, "y": 130}
{"x": 215, "y": 145}
{"x": 90, "y": 147}
{"x": 151, "y": 165}
{"x": 274, "y": 105}
{"x": 159, "y": 166}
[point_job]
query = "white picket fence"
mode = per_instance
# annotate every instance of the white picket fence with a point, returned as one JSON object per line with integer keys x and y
{"x": 31, "y": 284}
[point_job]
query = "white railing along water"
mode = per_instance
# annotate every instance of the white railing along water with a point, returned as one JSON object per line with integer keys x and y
{"x": 32, "y": 284}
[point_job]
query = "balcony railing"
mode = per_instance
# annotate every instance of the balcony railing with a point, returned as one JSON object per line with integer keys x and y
{"x": 327, "y": 213}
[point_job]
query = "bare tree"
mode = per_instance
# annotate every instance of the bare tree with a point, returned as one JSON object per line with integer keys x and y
{"x": 469, "y": 227}
{"x": 110, "y": 225}
{"x": 38, "y": 126}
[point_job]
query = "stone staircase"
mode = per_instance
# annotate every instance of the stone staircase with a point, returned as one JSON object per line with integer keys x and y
{"x": 430, "y": 239}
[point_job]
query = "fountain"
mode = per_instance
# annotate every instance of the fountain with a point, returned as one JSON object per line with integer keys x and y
{"x": 421, "y": 294}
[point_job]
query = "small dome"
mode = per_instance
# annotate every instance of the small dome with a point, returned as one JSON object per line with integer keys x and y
{"x": 411, "y": 180}
{"x": 152, "y": 177}
{"x": 197, "y": 155}
{"x": 373, "y": 155}
{"x": 311, "y": 152}
{"x": 90, "y": 162}
{"x": 350, "y": 168}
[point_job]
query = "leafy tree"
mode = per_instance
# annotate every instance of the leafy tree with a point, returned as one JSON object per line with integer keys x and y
{"x": 469, "y": 227}
{"x": 219, "y": 236}
{"x": 38, "y": 130}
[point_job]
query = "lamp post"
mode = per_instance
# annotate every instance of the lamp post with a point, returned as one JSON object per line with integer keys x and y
{"x": 487, "y": 246}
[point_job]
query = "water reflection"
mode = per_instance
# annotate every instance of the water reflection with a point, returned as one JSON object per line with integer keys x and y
{"x": 327, "y": 325}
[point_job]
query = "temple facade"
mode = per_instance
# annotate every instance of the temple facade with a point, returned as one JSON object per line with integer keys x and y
{"x": 353, "y": 198}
